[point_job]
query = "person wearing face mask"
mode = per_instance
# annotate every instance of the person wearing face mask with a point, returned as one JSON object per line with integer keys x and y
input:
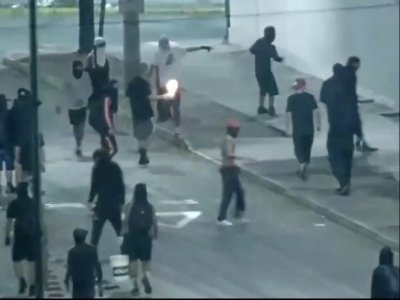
{"x": 229, "y": 170}
{"x": 165, "y": 66}
{"x": 98, "y": 68}
{"x": 78, "y": 92}
{"x": 350, "y": 86}
{"x": 263, "y": 51}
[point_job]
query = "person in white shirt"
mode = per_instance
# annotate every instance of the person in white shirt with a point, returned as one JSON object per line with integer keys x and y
{"x": 79, "y": 90}
{"x": 166, "y": 66}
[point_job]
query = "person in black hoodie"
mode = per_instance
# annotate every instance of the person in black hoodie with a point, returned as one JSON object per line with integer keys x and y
{"x": 385, "y": 278}
{"x": 350, "y": 82}
{"x": 263, "y": 51}
{"x": 107, "y": 184}
{"x": 343, "y": 119}
{"x": 140, "y": 97}
{"x": 6, "y": 149}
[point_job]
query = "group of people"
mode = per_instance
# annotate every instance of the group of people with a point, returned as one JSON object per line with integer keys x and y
{"x": 338, "y": 93}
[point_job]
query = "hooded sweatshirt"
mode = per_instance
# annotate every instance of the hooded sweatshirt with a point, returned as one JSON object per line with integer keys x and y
{"x": 385, "y": 278}
{"x": 264, "y": 50}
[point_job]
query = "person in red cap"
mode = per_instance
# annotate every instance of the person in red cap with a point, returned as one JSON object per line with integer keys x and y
{"x": 231, "y": 183}
{"x": 302, "y": 117}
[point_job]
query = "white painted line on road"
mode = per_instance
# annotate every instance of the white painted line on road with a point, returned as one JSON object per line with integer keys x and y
{"x": 177, "y": 202}
{"x": 189, "y": 216}
{"x": 65, "y": 205}
{"x": 319, "y": 225}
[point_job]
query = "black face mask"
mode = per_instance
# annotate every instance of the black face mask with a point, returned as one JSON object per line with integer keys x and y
{"x": 77, "y": 73}
{"x": 233, "y": 132}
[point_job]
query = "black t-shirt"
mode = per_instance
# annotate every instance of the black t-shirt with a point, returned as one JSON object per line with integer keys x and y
{"x": 17, "y": 209}
{"x": 83, "y": 264}
{"x": 139, "y": 91}
{"x": 264, "y": 51}
{"x": 301, "y": 106}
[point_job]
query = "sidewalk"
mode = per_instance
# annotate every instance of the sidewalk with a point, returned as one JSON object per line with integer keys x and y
{"x": 220, "y": 86}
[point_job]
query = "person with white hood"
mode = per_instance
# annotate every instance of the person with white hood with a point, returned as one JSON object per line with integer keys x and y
{"x": 166, "y": 65}
{"x": 98, "y": 67}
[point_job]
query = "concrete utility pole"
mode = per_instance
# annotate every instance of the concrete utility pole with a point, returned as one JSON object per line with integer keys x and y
{"x": 131, "y": 10}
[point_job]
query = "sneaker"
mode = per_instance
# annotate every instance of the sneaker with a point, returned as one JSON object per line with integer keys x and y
{"x": 135, "y": 291}
{"x": 367, "y": 148}
{"x": 344, "y": 191}
{"x": 224, "y": 223}
{"x": 78, "y": 152}
{"x": 262, "y": 110}
{"x": 146, "y": 284}
{"x": 22, "y": 286}
{"x": 10, "y": 188}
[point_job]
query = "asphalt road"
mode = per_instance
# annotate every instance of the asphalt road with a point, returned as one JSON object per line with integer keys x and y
{"x": 285, "y": 251}
{"x": 14, "y": 34}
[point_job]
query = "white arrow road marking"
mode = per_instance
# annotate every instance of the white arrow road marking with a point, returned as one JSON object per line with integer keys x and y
{"x": 177, "y": 202}
{"x": 189, "y": 216}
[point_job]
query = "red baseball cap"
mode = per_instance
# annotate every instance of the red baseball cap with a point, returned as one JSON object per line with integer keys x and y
{"x": 232, "y": 123}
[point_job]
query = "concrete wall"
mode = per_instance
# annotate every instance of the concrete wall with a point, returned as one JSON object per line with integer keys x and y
{"x": 314, "y": 34}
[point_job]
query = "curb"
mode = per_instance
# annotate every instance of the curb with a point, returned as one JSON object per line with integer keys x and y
{"x": 270, "y": 184}
{"x": 121, "y": 118}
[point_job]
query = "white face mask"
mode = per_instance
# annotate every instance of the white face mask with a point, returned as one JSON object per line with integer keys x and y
{"x": 100, "y": 56}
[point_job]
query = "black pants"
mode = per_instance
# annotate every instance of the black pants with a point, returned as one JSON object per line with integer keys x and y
{"x": 83, "y": 292}
{"x": 302, "y": 147}
{"x": 340, "y": 153}
{"x": 107, "y": 140}
{"x": 100, "y": 216}
{"x": 231, "y": 185}
{"x": 359, "y": 130}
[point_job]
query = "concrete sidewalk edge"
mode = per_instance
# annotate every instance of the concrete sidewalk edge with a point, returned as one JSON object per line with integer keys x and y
{"x": 160, "y": 132}
{"x": 272, "y": 185}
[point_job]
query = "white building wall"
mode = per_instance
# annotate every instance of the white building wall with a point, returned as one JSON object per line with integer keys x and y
{"x": 314, "y": 34}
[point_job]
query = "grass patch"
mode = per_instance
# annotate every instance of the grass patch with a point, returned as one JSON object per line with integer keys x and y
{"x": 156, "y": 10}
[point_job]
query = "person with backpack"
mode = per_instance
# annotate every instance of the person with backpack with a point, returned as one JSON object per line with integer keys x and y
{"x": 25, "y": 239}
{"x": 6, "y": 149}
{"x": 385, "y": 278}
{"x": 108, "y": 185}
{"x": 139, "y": 231}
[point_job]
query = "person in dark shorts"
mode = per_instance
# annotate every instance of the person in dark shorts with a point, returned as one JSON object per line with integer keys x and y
{"x": 25, "y": 239}
{"x": 108, "y": 185}
{"x": 263, "y": 51}
{"x": 78, "y": 88}
{"x": 6, "y": 149}
{"x": 83, "y": 267}
{"x": 139, "y": 231}
{"x": 140, "y": 97}
{"x": 302, "y": 117}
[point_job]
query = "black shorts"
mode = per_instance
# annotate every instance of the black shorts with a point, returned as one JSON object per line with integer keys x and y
{"x": 23, "y": 249}
{"x": 7, "y": 157}
{"x": 77, "y": 116}
{"x": 139, "y": 248}
{"x": 267, "y": 84}
{"x": 25, "y": 158}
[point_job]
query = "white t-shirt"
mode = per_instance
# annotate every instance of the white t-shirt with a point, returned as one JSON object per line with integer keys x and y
{"x": 78, "y": 92}
{"x": 169, "y": 63}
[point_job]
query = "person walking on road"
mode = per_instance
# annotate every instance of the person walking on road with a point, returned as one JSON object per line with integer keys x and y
{"x": 83, "y": 267}
{"x": 302, "y": 116}
{"x": 165, "y": 66}
{"x": 352, "y": 66}
{"x": 140, "y": 97}
{"x": 263, "y": 51}
{"x": 139, "y": 230}
{"x": 343, "y": 119}
{"x": 229, "y": 170}
{"x": 6, "y": 149}
{"x": 78, "y": 90}
{"x": 25, "y": 238}
{"x": 108, "y": 185}
{"x": 385, "y": 278}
